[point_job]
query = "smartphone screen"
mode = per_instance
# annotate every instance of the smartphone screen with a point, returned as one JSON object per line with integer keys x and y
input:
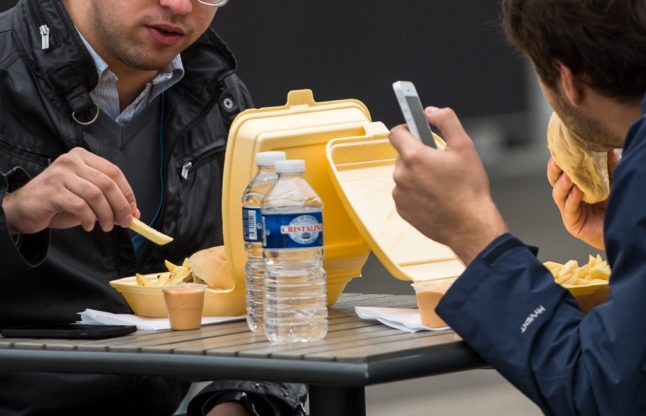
{"x": 67, "y": 331}
{"x": 413, "y": 112}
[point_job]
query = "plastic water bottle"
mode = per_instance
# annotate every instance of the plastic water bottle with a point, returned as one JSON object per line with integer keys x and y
{"x": 253, "y": 235}
{"x": 295, "y": 285}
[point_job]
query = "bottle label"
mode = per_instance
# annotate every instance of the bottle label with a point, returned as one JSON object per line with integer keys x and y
{"x": 252, "y": 225}
{"x": 293, "y": 230}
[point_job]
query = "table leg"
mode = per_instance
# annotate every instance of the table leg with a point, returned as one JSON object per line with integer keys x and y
{"x": 337, "y": 401}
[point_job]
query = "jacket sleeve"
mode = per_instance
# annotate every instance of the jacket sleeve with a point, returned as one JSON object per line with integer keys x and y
{"x": 19, "y": 253}
{"x": 507, "y": 306}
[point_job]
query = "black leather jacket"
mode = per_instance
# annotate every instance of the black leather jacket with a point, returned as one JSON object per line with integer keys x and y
{"x": 39, "y": 91}
{"x": 57, "y": 273}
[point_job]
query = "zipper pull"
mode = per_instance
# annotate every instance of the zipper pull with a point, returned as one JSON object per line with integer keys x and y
{"x": 44, "y": 37}
{"x": 186, "y": 168}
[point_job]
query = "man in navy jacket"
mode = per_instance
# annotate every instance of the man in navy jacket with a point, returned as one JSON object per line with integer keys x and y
{"x": 591, "y": 60}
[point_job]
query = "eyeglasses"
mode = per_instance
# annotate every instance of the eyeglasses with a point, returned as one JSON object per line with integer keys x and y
{"x": 213, "y": 3}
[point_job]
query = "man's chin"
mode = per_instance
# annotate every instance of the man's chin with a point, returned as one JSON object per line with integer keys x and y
{"x": 151, "y": 65}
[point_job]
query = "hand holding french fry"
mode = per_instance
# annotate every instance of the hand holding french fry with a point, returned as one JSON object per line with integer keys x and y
{"x": 78, "y": 188}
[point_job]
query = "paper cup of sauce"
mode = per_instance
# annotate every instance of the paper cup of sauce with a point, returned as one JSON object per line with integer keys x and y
{"x": 428, "y": 294}
{"x": 184, "y": 303}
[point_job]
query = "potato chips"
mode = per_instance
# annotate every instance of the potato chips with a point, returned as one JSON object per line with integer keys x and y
{"x": 570, "y": 274}
{"x": 176, "y": 275}
{"x": 208, "y": 266}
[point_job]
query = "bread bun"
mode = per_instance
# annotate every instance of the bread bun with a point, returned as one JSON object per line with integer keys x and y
{"x": 211, "y": 266}
{"x": 587, "y": 169}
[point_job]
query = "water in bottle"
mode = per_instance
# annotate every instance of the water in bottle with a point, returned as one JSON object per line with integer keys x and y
{"x": 253, "y": 235}
{"x": 295, "y": 285}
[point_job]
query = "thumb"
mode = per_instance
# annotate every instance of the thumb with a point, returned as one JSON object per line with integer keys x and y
{"x": 448, "y": 124}
{"x": 403, "y": 141}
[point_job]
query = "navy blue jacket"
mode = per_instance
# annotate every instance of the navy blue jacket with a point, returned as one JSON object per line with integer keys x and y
{"x": 568, "y": 363}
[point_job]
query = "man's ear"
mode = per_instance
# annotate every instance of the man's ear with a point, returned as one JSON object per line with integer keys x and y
{"x": 572, "y": 86}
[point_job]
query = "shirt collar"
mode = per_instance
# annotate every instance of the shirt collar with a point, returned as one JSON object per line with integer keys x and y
{"x": 175, "y": 69}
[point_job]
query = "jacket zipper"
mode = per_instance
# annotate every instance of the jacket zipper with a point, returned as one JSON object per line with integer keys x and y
{"x": 189, "y": 165}
{"x": 185, "y": 171}
{"x": 44, "y": 37}
{"x": 41, "y": 23}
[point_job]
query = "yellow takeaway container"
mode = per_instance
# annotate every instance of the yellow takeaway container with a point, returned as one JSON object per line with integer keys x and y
{"x": 349, "y": 163}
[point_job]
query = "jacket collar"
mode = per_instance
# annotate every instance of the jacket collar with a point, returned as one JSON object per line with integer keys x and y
{"x": 59, "y": 57}
{"x": 206, "y": 63}
{"x": 66, "y": 67}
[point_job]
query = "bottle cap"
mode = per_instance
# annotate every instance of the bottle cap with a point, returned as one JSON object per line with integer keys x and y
{"x": 269, "y": 158}
{"x": 290, "y": 166}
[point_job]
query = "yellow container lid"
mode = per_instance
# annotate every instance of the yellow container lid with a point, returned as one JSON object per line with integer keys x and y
{"x": 362, "y": 173}
{"x": 301, "y": 128}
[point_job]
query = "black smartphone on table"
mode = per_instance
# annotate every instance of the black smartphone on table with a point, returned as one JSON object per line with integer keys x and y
{"x": 67, "y": 331}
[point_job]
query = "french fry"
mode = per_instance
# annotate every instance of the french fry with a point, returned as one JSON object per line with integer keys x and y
{"x": 170, "y": 266}
{"x": 553, "y": 267}
{"x": 176, "y": 275}
{"x": 595, "y": 271}
{"x": 179, "y": 273}
{"x": 163, "y": 279}
{"x": 143, "y": 280}
{"x": 565, "y": 274}
{"x": 149, "y": 233}
{"x": 600, "y": 271}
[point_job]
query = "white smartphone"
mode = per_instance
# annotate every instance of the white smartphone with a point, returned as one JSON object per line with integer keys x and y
{"x": 413, "y": 112}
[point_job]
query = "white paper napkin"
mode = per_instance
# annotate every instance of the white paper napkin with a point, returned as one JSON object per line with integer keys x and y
{"x": 94, "y": 317}
{"x": 399, "y": 318}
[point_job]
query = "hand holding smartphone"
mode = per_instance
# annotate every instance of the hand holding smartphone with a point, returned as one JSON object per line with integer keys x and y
{"x": 413, "y": 112}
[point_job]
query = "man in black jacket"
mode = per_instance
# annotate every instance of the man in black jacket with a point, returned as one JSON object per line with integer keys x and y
{"x": 102, "y": 120}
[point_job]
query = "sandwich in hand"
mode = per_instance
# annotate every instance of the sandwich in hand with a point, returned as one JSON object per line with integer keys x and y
{"x": 587, "y": 169}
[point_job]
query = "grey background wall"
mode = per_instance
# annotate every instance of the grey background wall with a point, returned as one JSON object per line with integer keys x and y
{"x": 454, "y": 51}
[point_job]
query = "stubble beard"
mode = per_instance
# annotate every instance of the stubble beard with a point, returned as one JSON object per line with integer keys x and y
{"x": 122, "y": 45}
{"x": 596, "y": 137}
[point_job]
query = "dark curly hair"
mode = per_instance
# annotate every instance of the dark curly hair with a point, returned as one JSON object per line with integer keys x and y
{"x": 603, "y": 39}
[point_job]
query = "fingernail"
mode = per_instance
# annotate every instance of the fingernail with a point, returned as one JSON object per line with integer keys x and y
{"x": 128, "y": 220}
{"x": 430, "y": 110}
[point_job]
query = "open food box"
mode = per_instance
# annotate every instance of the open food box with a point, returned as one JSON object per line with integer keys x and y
{"x": 349, "y": 163}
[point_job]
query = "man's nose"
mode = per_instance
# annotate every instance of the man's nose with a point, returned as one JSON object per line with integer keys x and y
{"x": 180, "y": 7}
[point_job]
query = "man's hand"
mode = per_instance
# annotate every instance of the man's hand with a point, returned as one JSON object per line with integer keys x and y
{"x": 445, "y": 193}
{"x": 583, "y": 221}
{"x": 78, "y": 188}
